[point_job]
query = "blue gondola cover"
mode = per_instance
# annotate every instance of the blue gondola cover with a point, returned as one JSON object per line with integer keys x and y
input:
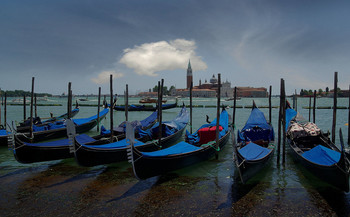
{"x": 180, "y": 148}
{"x": 253, "y": 151}
{"x": 322, "y": 155}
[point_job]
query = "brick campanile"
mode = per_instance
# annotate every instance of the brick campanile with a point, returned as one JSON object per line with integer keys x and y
{"x": 189, "y": 75}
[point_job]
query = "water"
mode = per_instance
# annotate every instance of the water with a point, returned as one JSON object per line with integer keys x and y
{"x": 61, "y": 188}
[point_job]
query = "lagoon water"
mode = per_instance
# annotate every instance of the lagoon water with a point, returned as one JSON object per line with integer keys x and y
{"x": 63, "y": 188}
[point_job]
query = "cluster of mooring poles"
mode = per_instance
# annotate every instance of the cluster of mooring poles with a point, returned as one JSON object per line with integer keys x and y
{"x": 281, "y": 116}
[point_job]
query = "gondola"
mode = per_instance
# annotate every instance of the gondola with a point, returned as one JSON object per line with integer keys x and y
{"x": 25, "y": 126}
{"x": 198, "y": 147}
{"x": 255, "y": 145}
{"x": 145, "y": 108}
{"x": 4, "y": 134}
{"x": 104, "y": 152}
{"x": 314, "y": 150}
{"x": 58, "y": 129}
{"x": 150, "y": 100}
{"x": 36, "y": 152}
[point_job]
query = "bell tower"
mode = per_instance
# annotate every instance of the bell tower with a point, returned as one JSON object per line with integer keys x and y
{"x": 189, "y": 75}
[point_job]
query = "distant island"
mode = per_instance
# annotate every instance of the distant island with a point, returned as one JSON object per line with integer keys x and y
{"x": 21, "y": 93}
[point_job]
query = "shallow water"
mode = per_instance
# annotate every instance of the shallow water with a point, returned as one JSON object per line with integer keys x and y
{"x": 61, "y": 188}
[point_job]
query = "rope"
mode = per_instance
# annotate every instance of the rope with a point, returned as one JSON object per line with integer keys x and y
{"x": 233, "y": 125}
{"x": 211, "y": 145}
{"x": 155, "y": 142}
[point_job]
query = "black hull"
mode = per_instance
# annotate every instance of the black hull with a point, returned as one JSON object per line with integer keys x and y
{"x": 3, "y": 140}
{"x": 57, "y": 133}
{"x": 31, "y": 154}
{"x": 144, "y": 108}
{"x": 86, "y": 156}
{"x": 250, "y": 168}
{"x": 335, "y": 175}
{"x": 146, "y": 167}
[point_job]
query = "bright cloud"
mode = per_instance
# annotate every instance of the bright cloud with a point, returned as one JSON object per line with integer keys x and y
{"x": 103, "y": 77}
{"x": 149, "y": 58}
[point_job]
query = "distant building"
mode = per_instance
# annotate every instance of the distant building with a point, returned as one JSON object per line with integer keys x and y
{"x": 251, "y": 92}
{"x": 209, "y": 89}
{"x": 341, "y": 93}
{"x": 206, "y": 89}
{"x": 148, "y": 94}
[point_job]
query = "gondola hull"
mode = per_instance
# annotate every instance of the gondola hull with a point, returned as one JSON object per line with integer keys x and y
{"x": 333, "y": 174}
{"x": 92, "y": 156}
{"x": 30, "y": 154}
{"x": 57, "y": 133}
{"x": 38, "y": 152}
{"x": 249, "y": 168}
{"x": 255, "y": 147}
{"x": 4, "y": 140}
{"x": 146, "y": 167}
{"x": 23, "y": 129}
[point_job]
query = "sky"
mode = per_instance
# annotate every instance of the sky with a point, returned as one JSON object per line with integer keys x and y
{"x": 250, "y": 43}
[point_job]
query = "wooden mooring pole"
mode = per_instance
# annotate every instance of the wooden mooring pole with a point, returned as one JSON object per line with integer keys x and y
{"x": 111, "y": 106}
{"x": 98, "y": 109}
{"x": 270, "y": 106}
{"x": 191, "y": 123}
{"x": 5, "y": 112}
{"x": 69, "y": 106}
{"x": 160, "y": 98}
{"x": 309, "y": 108}
{"x": 279, "y": 126}
{"x": 283, "y": 122}
{"x": 126, "y": 102}
{"x": 218, "y": 117}
{"x": 36, "y": 110}
{"x": 335, "y": 105}
{"x": 296, "y": 101}
{"x": 0, "y": 107}
{"x": 314, "y": 108}
{"x": 31, "y": 110}
{"x": 24, "y": 108}
{"x": 349, "y": 118}
{"x": 294, "y": 95}
{"x": 234, "y": 109}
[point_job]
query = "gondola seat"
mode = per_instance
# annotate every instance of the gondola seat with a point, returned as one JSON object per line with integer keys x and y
{"x": 207, "y": 134}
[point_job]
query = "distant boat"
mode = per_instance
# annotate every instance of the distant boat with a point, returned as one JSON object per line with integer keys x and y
{"x": 232, "y": 98}
{"x": 84, "y": 99}
{"x": 144, "y": 107}
{"x": 20, "y": 100}
{"x": 150, "y": 100}
{"x": 42, "y": 98}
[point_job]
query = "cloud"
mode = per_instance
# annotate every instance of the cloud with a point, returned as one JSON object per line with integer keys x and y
{"x": 149, "y": 58}
{"x": 103, "y": 77}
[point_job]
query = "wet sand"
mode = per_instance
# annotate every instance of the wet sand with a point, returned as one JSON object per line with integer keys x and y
{"x": 65, "y": 189}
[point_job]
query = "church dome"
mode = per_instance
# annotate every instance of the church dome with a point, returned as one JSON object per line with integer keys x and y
{"x": 213, "y": 80}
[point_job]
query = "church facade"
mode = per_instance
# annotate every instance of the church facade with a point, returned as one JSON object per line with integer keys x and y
{"x": 206, "y": 89}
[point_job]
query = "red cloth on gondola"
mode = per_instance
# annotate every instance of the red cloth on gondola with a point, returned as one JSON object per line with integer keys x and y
{"x": 208, "y": 134}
